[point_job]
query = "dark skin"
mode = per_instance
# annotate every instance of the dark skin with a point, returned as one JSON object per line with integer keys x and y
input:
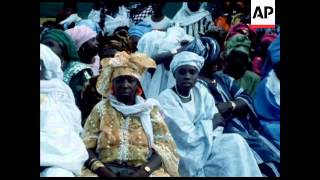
{"x": 167, "y": 57}
{"x": 186, "y": 77}
{"x": 157, "y": 9}
{"x": 236, "y": 64}
{"x": 55, "y": 47}
{"x": 88, "y": 51}
{"x": 194, "y": 6}
{"x": 225, "y": 108}
{"x": 134, "y": 41}
{"x": 125, "y": 88}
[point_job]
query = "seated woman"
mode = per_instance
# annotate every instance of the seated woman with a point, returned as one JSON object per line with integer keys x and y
{"x": 196, "y": 126}
{"x": 125, "y": 134}
{"x": 237, "y": 63}
{"x": 75, "y": 73}
{"x": 62, "y": 151}
{"x": 267, "y": 99}
{"x": 87, "y": 46}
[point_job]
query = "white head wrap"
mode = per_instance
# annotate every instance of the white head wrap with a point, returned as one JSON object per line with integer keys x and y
{"x": 51, "y": 62}
{"x": 186, "y": 58}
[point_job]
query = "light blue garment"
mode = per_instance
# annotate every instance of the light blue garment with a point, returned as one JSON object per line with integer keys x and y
{"x": 139, "y": 29}
{"x": 202, "y": 151}
{"x": 91, "y": 24}
{"x": 273, "y": 56}
{"x": 268, "y": 111}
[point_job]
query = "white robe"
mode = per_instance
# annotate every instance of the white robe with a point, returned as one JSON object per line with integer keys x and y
{"x": 61, "y": 147}
{"x": 202, "y": 151}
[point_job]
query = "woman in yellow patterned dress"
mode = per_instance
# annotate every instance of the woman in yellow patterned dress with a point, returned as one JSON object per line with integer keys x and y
{"x": 125, "y": 134}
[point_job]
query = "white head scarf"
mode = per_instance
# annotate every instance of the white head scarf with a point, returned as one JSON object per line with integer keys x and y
{"x": 185, "y": 17}
{"x": 186, "y": 58}
{"x": 52, "y": 63}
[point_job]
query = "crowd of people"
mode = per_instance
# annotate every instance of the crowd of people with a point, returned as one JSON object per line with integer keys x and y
{"x": 129, "y": 92}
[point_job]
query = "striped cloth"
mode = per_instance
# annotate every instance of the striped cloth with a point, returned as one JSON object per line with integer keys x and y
{"x": 199, "y": 27}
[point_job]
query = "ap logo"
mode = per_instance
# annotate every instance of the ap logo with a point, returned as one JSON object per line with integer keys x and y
{"x": 263, "y": 13}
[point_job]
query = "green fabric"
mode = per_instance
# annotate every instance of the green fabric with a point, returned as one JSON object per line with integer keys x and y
{"x": 238, "y": 42}
{"x": 65, "y": 40}
{"x": 249, "y": 82}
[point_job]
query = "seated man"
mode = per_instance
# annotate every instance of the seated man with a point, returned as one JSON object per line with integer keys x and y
{"x": 62, "y": 151}
{"x": 196, "y": 126}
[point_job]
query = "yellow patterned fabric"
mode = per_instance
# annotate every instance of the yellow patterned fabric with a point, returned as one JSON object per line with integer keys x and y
{"x": 122, "y": 64}
{"x": 122, "y": 139}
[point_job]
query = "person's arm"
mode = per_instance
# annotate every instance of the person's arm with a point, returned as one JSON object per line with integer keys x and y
{"x": 96, "y": 166}
{"x": 90, "y": 138}
{"x": 167, "y": 57}
{"x": 225, "y": 108}
{"x": 218, "y": 120}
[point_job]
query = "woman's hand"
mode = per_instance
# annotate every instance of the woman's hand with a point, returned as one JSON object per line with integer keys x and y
{"x": 104, "y": 172}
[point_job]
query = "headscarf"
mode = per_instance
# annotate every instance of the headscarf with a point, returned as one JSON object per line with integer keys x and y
{"x": 185, "y": 17}
{"x": 120, "y": 41}
{"x": 65, "y": 41}
{"x": 140, "y": 29}
{"x": 51, "y": 62}
{"x": 122, "y": 64}
{"x": 268, "y": 38}
{"x": 80, "y": 35}
{"x": 238, "y": 42}
{"x": 89, "y": 23}
{"x": 242, "y": 29}
{"x": 205, "y": 47}
{"x": 186, "y": 58}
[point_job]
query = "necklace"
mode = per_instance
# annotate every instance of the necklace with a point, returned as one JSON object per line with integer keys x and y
{"x": 185, "y": 97}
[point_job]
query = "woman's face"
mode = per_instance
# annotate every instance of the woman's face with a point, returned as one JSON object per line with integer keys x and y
{"x": 186, "y": 77}
{"x": 55, "y": 47}
{"x": 236, "y": 64}
{"x": 125, "y": 87}
{"x": 90, "y": 48}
